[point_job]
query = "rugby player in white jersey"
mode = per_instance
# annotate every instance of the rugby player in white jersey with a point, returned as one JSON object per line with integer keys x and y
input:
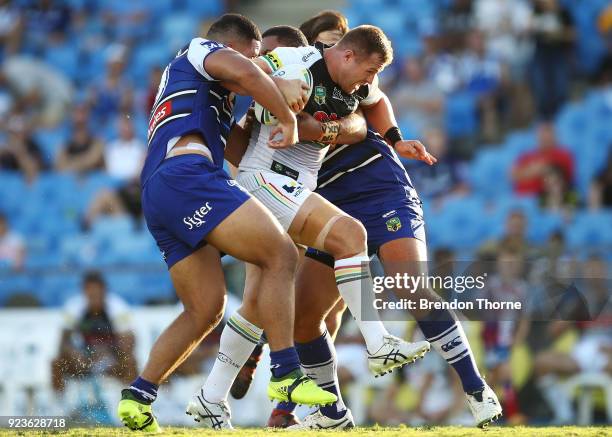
{"x": 343, "y": 79}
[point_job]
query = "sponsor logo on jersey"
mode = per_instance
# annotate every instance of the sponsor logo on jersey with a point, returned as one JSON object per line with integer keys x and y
{"x": 451, "y": 344}
{"x": 307, "y": 56}
{"x": 349, "y": 101}
{"x": 162, "y": 112}
{"x": 388, "y": 214}
{"x": 320, "y": 94}
{"x": 197, "y": 218}
{"x": 293, "y": 188}
{"x": 394, "y": 224}
{"x": 232, "y": 183}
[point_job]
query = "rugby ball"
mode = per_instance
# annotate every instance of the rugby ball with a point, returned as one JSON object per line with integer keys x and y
{"x": 292, "y": 71}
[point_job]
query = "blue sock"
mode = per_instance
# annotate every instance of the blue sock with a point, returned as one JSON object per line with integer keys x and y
{"x": 318, "y": 358}
{"x": 144, "y": 390}
{"x": 286, "y": 406}
{"x": 283, "y": 362}
{"x": 447, "y": 337}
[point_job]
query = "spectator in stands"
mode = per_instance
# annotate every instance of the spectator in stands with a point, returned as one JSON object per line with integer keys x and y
{"x": 11, "y": 28}
{"x": 124, "y": 156}
{"x": 12, "y": 247}
{"x": 530, "y": 170}
{"x": 505, "y": 25}
{"x": 600, "y": 194}
{"x": 553, "y": 32}
{"x": 557, "y": 195}
{"x": 83, "y": 152}
{"x": 122, "y": 201}
{"x": 112, "y": 94}
{"x": 97, "y": 338}
{"x": 505, "y": 328}
{"x": 513, "y": 238}
{"x": 47, "y": 92}
{"x": 21, "y": 152}
{"x": 486, "y": 77}
{"x": 417, "y": 99}
{"x": 438, "y": 181}
{"x": 46, "y": 20}
{"x": 589, "y": 311}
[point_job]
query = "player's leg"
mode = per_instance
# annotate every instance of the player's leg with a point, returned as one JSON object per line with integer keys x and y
{"x": 254, "y": 236}
{"x": 440, "y": 327}
{"x": 323, "y": 226}
{"x": 199, "y": 284}
{"x": 334, "y": 318}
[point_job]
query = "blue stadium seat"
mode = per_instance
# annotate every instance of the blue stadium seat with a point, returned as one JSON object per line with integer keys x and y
{"x": 106, "y": 228}
{"x": 490, "y": 172}
{"x": 460, "y": 114}
{"x": 591, "y": 230}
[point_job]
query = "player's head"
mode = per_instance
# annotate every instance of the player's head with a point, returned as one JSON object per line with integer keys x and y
{"x": 327, "y": 27}
{"x": 94, "y": 288}
{"x": 359, "y": 56}
{"x": 238, "y": 32}
{"x": 282, "y": 36}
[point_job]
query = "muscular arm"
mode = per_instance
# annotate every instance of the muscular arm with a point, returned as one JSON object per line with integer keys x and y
{"x": 352, "y": 129}
{"x": 239, "y": 74}
{"x": 380, "y": 115}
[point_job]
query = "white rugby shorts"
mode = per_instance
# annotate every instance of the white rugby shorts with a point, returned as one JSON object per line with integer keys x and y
{"x": 282, "y": 195}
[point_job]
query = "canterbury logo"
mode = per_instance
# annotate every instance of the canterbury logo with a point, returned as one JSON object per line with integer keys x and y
{"x": 451, "y": 344}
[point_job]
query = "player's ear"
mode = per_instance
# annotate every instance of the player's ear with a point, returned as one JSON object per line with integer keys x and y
{"x": 348, "y": 55}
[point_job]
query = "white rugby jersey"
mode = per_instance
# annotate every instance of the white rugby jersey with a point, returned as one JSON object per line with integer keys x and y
{"x": 302, "y": 161}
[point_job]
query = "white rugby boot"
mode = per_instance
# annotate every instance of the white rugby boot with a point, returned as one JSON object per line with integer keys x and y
{"x": 485, "y": 406}
{"x": 394, "y": 353}
{"x": 208, "y": 414}
{"x": 318, "y": 420}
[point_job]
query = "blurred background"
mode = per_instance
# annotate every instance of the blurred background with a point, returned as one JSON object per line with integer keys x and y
{"x": 514, "y": 97}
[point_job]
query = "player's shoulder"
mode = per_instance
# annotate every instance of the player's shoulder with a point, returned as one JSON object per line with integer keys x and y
{"x": 282, "y": 56}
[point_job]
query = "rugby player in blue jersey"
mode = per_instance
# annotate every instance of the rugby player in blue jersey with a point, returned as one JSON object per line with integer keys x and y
{"x": 368, "y": 182}
{"x": 194, "y": 210}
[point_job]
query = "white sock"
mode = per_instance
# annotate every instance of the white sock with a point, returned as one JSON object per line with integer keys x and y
{"x": 238, "y": 339}
{"x": 351, "y": 274}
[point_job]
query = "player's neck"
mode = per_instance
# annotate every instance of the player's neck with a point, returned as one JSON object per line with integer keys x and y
{"x": 330, "y": 63}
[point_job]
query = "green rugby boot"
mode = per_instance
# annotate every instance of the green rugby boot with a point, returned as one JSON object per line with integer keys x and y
{"x": 298, "y": 388}
{"x": 135, "y": 414}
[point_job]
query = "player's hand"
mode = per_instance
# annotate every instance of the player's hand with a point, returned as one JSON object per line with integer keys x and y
{"x": 413, "y": 149}
{"x": 249, "y": 120}
{"x": 295, "y": 92}
{"x": 284, "y": 134}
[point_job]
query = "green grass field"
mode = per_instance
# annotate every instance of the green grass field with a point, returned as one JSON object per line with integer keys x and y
{"x": 403, "y": 431}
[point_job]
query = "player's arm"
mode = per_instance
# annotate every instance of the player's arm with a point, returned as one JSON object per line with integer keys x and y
{"x": 238, "y": 139}
{"x": 233, "y": 69}
{"x": 348, "y": 130}
{"x": 379, "y": 113}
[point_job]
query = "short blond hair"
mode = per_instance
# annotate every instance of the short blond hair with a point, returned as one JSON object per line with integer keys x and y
{"x": 365, "y": 40}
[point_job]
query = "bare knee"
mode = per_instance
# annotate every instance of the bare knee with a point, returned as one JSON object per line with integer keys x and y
{"x": 281, "y": 256}
{"x": 347, "y": 238}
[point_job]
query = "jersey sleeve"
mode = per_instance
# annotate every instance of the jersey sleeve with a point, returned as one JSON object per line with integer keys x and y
{"x": 374, "y": 95}
{"x": 198, "y": 50}
{"x": 281, "y": 56}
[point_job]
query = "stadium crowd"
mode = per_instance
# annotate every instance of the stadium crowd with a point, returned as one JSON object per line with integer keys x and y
{"x": 513, "y": 97}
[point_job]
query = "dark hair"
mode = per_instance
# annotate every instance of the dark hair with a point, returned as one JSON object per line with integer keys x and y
{"x": 366, "y": 40}
{"x": 288, "y": 36}
{"x": 234, "y": 25}
{"x": 322, "y": 22}
{"x": 94, "y": 277}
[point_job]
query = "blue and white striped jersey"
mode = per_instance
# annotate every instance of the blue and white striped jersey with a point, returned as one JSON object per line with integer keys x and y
{"x": 368, "y": 172}
{"x": 189, "y": 100}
